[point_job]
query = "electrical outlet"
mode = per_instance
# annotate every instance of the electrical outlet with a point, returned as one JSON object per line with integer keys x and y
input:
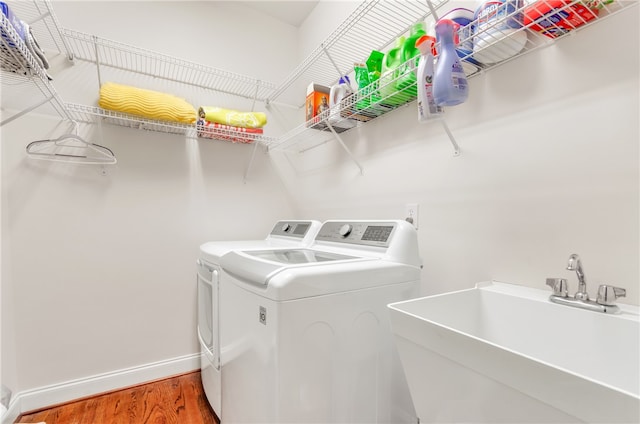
{"x": 411, "y": 214}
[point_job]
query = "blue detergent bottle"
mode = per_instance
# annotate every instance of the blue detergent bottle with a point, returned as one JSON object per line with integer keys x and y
{"x": 449, "y": 82}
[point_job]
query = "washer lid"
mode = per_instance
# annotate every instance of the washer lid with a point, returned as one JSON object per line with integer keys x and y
{"x": 259, "y": 266}
{"x": 297, "y": 256}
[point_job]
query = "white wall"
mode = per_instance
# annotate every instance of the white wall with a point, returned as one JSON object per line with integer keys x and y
{"x": 99, "y": 270}
{"x": 549, "y": 167}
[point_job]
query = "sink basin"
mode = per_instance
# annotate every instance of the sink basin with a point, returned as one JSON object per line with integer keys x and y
{"x": 503, "y": 353}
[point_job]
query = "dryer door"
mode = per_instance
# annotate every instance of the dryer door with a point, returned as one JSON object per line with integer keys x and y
{"x": 208, "y": 322}
{"x": 209, "y": 333}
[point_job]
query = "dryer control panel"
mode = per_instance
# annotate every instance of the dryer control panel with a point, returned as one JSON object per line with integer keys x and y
{"x": 357, "y": 232}
{"x": 296, "y": 229}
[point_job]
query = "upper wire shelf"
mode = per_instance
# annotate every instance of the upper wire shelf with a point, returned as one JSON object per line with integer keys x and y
{"x": 373, "y": 25}
{"x": 367, "y": 104}
{"x": 17, "y": 61}
{"x": 104, "y": 52}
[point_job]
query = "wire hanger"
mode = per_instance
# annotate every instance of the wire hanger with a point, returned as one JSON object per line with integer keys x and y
{"x": 71, "y": 148}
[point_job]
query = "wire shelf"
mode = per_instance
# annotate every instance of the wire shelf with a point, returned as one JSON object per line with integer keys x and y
{"x": 90, "y": 114}
{"x": 39, "y": 15}
{"x": 372, "y": 26}
{"x": 368, "y": 104}
{"x": 18, "y": 63}
{"x": 121, "y": 56}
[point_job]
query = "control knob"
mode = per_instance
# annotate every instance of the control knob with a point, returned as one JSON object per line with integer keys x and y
{"x": 345, "y": 230}
{"x": 286, "y": 227}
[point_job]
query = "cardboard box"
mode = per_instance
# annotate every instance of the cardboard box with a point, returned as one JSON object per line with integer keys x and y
{"x": 317, "y": 102}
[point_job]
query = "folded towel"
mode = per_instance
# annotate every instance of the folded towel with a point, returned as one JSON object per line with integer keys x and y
{"x": 217, "y": 131}
{"x": 146, "y": 103}
{"x": 232, "y": 117}
{"x": 35, "y": 49}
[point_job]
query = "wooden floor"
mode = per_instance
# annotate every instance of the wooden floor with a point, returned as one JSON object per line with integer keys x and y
{"x": 179, "y": 400}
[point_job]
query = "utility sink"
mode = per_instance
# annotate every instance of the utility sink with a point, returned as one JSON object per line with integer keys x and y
{"x": 504, "y": 353}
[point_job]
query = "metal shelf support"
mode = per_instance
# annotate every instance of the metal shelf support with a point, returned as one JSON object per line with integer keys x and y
{"x": 344, "y": 146}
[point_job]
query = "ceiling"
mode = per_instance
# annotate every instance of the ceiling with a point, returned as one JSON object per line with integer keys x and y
{"x": 291, "y": 12}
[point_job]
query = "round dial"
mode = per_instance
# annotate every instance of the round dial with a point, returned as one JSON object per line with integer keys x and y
{"x": 286, "y": 227}
{"x": 345, "y": 230}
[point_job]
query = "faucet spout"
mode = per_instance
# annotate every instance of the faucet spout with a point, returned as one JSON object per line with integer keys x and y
{"x": 576, "y": 265}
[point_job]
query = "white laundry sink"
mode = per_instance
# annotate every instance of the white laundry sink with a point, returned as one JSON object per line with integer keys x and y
{"x": 504, "y": 353}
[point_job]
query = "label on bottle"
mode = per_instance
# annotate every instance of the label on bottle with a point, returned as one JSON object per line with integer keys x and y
{"x": 431, "y": 103}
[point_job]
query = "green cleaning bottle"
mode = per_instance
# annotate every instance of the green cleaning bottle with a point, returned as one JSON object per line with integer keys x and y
{"x": 390, "y": 72}
{"x": 406, "y": 82}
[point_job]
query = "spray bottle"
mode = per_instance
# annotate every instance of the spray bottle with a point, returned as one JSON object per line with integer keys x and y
{"x": 427, "y": 107}
{"x": 449, "y": 82}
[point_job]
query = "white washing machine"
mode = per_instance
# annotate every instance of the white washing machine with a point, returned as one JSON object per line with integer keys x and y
{"x": 305, "y": 334}
{"x": 292, "y": 233}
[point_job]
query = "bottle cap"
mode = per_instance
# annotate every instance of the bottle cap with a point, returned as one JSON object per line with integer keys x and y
{"x": 448, "y": 22}
{"x": 425, "y": 43}
{"x": 344, "y": 80}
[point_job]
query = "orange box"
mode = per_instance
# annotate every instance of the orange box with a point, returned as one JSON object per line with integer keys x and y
{"x": 317, "y": 102}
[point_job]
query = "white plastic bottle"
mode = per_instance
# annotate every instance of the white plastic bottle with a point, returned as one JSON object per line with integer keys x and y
{"x": 337, "y": 93}
{"x": 427, "y": 107}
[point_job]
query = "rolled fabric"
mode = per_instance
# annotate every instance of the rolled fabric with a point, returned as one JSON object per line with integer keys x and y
{"x": 232, "y": 117}
{"x": 146, "y": 103}
{"x": 217, "y": 131}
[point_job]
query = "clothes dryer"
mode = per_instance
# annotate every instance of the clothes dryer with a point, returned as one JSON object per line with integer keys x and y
{"x": 292, "y": 233}
{"x": 305, "y": 334}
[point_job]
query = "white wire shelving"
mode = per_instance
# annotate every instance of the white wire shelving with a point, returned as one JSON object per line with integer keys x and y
{"x": 88, "y": 114}
{"x": 361, "y": 33}
{"x": 19, "y": 67}
{"x": 108, "y": 53}
{"x": 117, "y": 55}
{"x": 374, "y": 25}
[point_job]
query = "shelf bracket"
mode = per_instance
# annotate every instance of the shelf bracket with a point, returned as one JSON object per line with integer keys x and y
{"x": 432, "y": 10}
{"x": 95, "y": 47}
{"x": 253, "y": 154}
{"x": 344, "y": 146}
{"x": 29, "y": 109}
{"x": 335, "y": 65}
{"x": 255, "y": 95}
{"x": 456, "y": 148}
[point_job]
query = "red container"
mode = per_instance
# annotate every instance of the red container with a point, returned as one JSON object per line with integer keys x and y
{"x": 554, "y": 18}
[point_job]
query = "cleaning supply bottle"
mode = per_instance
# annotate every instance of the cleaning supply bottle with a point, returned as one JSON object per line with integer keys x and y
{"x": 497, "y": 30}
{"x": 364, "y": 90}
{"x": 407, "y": 79}
{"x": 449, "y": 83}
{"x": 427, "y": 107}
{"x": 340, "y": 112}
{"x": 390, "y": 72}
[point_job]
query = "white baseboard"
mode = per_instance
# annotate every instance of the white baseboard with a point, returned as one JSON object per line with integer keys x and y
{"x": 41, "y": 397}
{"x": 12, "y": 413}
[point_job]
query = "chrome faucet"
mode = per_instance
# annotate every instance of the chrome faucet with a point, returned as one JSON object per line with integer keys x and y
{"x": 576, "y": 265}
{"x": 605, "y": 301}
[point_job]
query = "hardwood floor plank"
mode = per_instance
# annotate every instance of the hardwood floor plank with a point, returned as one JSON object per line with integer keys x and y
{"x": 175, "y": 400}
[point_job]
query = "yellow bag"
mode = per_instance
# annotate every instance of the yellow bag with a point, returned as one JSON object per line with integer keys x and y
{"x": 233, "y": 117}
{"x": 146, "y": 103}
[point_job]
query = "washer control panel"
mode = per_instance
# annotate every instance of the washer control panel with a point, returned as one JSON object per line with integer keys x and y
{"x": 354, "y": 232}
{"x": 296, "y": 229}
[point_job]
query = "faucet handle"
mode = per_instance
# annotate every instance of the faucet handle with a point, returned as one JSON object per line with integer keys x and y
{"x": 559, "y": 286}
{"x": 607, "y": 295}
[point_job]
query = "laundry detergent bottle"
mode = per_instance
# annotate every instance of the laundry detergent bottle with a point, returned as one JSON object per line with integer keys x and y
{"x": 389, "y": 74}
{"x": 449, "y": 82}
{"x": 339, "y": 112}
{"x": 407, "y": 80}
{"x": 427, "y": 107}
